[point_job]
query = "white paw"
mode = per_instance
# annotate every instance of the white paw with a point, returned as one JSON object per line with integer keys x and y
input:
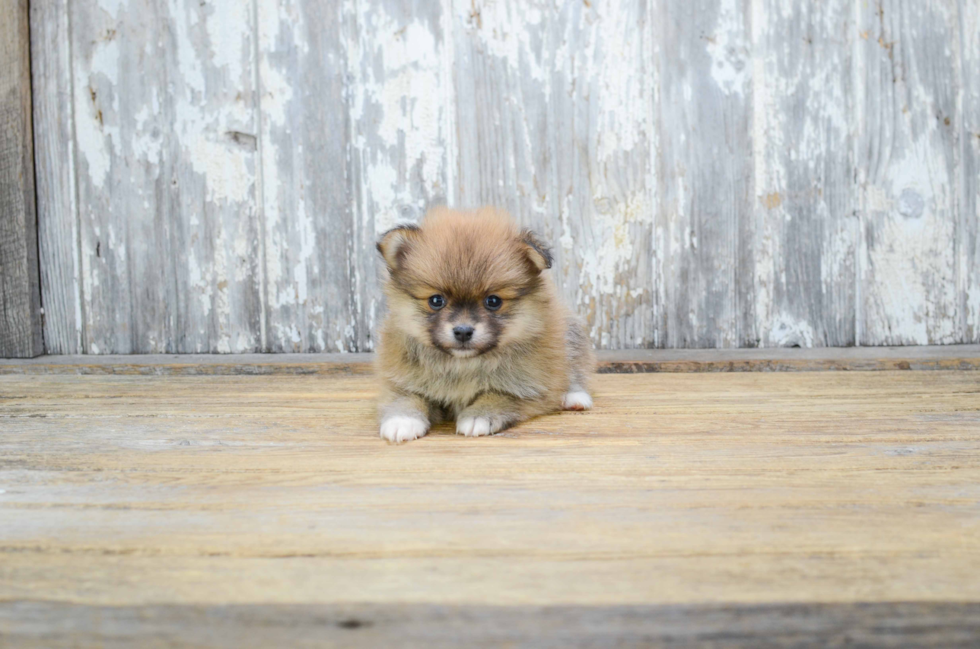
{"x": 577, "y": 400}
{"x": 399, "y": 428}
{"x": 474, "y": 426}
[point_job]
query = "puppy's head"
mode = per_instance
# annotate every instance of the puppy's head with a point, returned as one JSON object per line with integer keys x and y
{"x": 466, "y": 283}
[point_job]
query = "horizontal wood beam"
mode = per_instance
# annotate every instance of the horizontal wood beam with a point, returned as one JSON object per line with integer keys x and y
{"x": 878, "y": 624}
{"x": 932, "y": 357}
{"x": 20, "y": 286}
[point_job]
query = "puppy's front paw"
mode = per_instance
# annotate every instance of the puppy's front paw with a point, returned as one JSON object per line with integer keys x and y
{"x": 475, "y": 426}
{"x": 403, "y": 428}
{"x": 577, "y": 400}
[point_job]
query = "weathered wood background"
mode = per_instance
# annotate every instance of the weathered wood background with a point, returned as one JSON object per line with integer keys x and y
{"x": 212, "y": 175}
{"x": 20, "y": 295}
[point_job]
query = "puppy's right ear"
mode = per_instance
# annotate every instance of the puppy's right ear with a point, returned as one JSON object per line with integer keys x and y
{"x": 395, "y": 242}
{"x": 537, "y": 252}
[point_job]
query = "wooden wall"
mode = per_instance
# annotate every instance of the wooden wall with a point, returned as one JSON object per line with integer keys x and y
{"x": 712, "y": 173}
{"x": 20, "y": 296}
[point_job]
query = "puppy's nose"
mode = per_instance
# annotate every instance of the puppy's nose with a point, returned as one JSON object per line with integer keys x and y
{"x": 463, "y": 333}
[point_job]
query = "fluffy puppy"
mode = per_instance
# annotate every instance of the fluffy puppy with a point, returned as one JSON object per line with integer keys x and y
{"x": 475, "y": 331}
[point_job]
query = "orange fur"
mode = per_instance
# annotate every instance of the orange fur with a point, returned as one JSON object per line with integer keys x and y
{"x": 524, "y": 355}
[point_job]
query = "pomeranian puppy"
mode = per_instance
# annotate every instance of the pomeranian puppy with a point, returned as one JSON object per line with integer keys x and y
{"x": 475, "y": 331}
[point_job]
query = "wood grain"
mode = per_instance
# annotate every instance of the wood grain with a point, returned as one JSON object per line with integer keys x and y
{"x": 54, "y": 156}
{"x": 708, "y": 188}
{"x": 676, "y": 490}
{"x": 308, "y": 268}
{"x": 401, "y": 149}
{"x": 555, "y": 106}
{"x": 968, "y": 241}
{"x": 724, "y": 173}
{"x": 907, "y": 624}
{"x": 20, "y": 298}
{"x": 806, "y": 219}
{"x": 165, "y": 129}
{"x": 908, "y": 172}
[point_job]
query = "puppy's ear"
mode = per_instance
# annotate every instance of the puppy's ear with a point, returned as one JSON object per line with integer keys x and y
{"x": 394, "y": 243}
{"x": 537, "y": 252}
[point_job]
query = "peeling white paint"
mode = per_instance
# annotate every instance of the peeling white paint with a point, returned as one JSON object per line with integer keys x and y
{"x": 909, "y": 254}
{"x": 399, "y": 88}
{"x": 573, "y": 135}
{"x": 786, "y": 331}
{"x": 728, "y": 49}
{"x": 147, "y": 144}
{"x": 228, "y": 177}
{"x": 97, "y": 131}
{"x": 506, "y": 30}
{"x": 602, "y": 268}
{"x": 229, "y": 45}
{"x": 191, "y": 74}
{"x": 623, "y": 92}
{"x": 277, "y": 92}
{"x": 200, "y": 284}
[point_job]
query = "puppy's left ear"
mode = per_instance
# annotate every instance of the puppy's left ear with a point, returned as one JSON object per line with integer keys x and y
{"x": 394, "y": 243}
{"x": 537, "y": 252}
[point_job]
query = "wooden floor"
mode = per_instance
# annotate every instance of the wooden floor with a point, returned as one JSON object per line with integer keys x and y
{"x": 686, "y": 508}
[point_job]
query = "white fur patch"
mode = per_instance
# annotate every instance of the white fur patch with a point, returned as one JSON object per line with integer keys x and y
{"x": 399, "y": 428}
{"x": 473, "y": 426}
{"x": 577, "y": 400}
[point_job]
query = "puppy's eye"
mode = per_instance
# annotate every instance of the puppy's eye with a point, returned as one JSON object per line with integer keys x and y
{"x": 492, "y": 302}
{"x": 437, "y": 302}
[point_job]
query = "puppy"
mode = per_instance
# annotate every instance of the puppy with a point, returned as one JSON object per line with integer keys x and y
{"x": 475, "y": 331}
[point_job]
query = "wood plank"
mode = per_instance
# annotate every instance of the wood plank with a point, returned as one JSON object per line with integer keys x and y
{"x": 908, "y": 624}
{"x": 54, "y": 155}
{"x": 968, "y": 269}
{"x": 20, "y": 296}
{"x": 196, "y": 364}
{"x": 307, "y": 199}
{"x": 707, "y": 187}
{"x": 124, "y": 206}
{"x": 692, "y": 489}
{"x": 166, "y": 128}
{"x": 946, "y": 357}
{"x": 556, "y": 110}
{"x": 401, "y": 120}
{"x": 908, "y": 171}
{"x": 806, "y": 226}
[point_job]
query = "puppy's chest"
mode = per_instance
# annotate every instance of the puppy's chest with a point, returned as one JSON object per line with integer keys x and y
{"x": 459, "y": 386}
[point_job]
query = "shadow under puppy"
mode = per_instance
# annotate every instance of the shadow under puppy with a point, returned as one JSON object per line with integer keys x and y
{"x": 475, "y": 330}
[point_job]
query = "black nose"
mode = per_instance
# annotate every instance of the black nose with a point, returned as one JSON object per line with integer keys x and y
{"x": 463, "y": 333}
